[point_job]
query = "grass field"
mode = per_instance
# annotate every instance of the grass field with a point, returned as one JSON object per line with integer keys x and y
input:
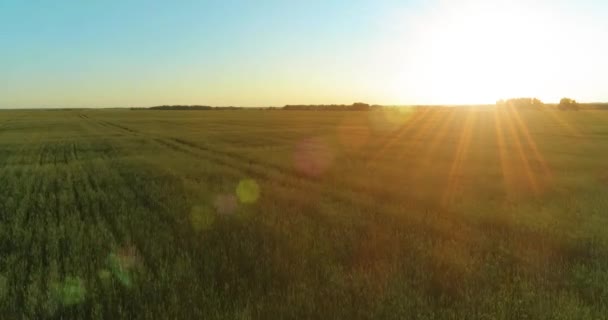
{"x": 425, "y": 213}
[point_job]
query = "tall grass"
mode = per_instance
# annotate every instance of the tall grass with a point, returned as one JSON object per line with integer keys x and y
{"x": 417, "y": 213}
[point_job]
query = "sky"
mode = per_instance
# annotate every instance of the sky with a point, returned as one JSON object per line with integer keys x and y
{"x": 135, "y": 53}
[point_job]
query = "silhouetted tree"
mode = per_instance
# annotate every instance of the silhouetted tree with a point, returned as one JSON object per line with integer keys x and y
{"x": 360, "y": 106}
{"x": 181, "y": 107}
{"x": 521, "y": 103}
{"x": 568, "y": 104}
{"x": 357, "y": 106}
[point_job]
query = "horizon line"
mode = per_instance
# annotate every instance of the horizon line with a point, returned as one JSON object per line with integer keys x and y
{"x": 281, "y": 106}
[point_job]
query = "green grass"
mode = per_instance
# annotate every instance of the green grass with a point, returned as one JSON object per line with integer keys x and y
{"x": 446, "y": 213}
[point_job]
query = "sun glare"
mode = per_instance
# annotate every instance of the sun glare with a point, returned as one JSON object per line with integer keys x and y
{"x": 480, "y": 51}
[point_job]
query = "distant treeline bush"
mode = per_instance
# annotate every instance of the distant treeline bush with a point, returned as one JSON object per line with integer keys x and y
{"x": 520, "y": 103}
{"x": 197, "y": 107}
{"x": 523, "y": 103}
{"x": 595, "y": 105}
{"x": 194, "y": 107}
{"x": 357, "y": 106}
{"x": 534, "y": 103}
{"x": 179, "y": 107}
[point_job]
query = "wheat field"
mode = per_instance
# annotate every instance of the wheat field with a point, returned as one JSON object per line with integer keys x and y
{"x": 405, "y": 213}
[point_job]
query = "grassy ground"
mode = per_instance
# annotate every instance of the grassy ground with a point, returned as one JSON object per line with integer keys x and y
{"x": 420, "y": 214}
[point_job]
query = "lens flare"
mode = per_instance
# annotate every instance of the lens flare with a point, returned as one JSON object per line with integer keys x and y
{"x": 389, "y": 119}
{"x": 225, "y": 204}
{"x": 248, "y": 191}
{"x": 71, "y": 291}
{"x": 104, "y": 276}
{"x": 313, "y": 157}
{"x": 122, "y": 264}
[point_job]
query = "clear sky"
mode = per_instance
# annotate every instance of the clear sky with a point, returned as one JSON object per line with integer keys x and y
{"x": 123, "y": 53}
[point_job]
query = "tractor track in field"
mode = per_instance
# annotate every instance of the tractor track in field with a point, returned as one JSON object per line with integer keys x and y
{"x": 226, "y": 159}
{"x": 38, "y": 207}
{"x": 93, "y": 184}
{"x": 272, "y": 172}
{"x": 30, "y": 204}
{"x": 140, "y": 197}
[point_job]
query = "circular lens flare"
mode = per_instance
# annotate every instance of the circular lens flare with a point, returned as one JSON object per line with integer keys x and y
{"x": 248, "y": 191}
{"x": 313, "y": 157}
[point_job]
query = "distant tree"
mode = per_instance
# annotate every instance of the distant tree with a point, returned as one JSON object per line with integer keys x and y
{"x": 568, "y": 104}
{"x": 360, "y": 106}
{"x": 532, "y": 103}
{"x": 357, "y": 106}
{"x": 181, "y": 107}
{"x": 536, "y": 102}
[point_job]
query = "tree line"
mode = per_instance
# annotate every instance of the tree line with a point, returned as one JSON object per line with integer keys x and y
{"x": 521, "y": 103}
{"x": 535, "y": 103}
{"x": 357, "y": 106}
{"x": 199, "y": 107}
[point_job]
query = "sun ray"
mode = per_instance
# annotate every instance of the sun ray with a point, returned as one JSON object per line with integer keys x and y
{"x": 441, "y": 133}
{"x": 522, "y": 155}
{"x": 523, "y": 128}
{"x": 462, "y": 150}
{"x": 412, "y": 124}
{"x": 502, "y": 152}
{"x": 445, "y": 118}
{"x": 424, "y": 129}
{"x": 564, "y": 123}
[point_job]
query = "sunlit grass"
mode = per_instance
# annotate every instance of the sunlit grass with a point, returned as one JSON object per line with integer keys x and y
{"x": 446, "y": 213}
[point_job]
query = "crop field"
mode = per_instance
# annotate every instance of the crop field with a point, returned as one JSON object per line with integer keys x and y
{"x": 414, "y": 213}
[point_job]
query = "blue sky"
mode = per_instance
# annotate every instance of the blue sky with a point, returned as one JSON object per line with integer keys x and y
{"x": 140, "y": 53}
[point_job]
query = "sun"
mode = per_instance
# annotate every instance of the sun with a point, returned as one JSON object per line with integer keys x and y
{"x": 475, "y": 52}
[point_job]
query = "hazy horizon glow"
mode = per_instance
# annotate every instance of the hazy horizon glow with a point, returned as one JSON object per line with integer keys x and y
{"x": 133, "y": 53}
